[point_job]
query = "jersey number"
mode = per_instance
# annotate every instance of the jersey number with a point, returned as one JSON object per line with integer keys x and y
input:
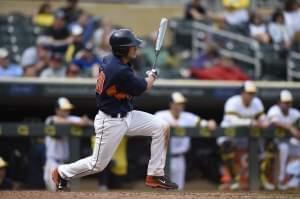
{"x": 100, "y": 82}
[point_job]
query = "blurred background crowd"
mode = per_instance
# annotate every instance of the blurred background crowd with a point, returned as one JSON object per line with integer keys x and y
{"x": 70, "y": 42}
{"x": 241, "y": 42}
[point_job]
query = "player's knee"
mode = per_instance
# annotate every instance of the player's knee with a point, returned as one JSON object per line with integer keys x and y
{"x": 165, "y": 127}
{"x": 227, "y": 147}
{"x": 162, "y": 129}
{"x": 161, "y": 126}
{"x": 99, "y": 166}
{"x": 227, "y": 150}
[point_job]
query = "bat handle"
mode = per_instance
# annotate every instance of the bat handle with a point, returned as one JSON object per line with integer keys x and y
{"x": 155, "y": 61}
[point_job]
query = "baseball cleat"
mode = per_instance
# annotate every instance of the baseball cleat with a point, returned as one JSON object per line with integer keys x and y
{"x": 61, "y": 184}
{"x": 235, "y": 186}
{"x": 160, "y": 182}
{"x": 268, "y": 186}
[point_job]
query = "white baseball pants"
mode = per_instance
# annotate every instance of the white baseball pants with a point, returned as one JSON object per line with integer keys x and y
{"x": 177, "y": 171}
{"x": 285, "y": 151}
{"x": 110, "y": 131}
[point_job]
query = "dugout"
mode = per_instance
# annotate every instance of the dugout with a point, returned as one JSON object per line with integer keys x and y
{"x": 32, "y": 100}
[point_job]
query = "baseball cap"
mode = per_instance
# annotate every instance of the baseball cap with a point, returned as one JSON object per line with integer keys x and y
{"x": 3, "y": 53}
{"x": 76, "y": 30}
{"x": 249, "y": 87}
{"x": 64, "y": 103}
{"x": 178, "y": 98}
{"x": 2, "y": 163}
{"x": 286, "y": 96}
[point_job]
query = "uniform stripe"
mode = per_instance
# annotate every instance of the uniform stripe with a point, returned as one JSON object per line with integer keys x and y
{"x": 99, "y": 144}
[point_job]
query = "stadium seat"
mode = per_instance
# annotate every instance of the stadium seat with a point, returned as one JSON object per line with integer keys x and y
{"x": 273, "y": 63}
{"x": 182, "y": 31}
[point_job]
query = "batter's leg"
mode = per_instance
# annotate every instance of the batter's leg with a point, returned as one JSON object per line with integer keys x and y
{"x": 145, "y": 124}
{"x": 109, "y": 132}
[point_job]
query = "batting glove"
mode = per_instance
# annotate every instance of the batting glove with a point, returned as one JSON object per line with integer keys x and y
{"x": 153, "y": 73}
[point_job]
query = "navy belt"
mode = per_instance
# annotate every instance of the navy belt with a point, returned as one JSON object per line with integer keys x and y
{"x": 116, "y": 115}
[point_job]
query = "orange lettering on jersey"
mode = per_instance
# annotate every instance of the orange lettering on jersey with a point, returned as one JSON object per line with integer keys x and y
{"x": 112, "y": 91}
{"x": 100, "y": 82}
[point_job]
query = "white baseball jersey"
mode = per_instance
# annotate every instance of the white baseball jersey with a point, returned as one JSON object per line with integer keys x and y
{"x": 285, "y": 150}
{"x": 237, "y": 114}
{"x": 58, "y": 149}
{"x": 179, "y": 145}
{"x": 276, "y": 115}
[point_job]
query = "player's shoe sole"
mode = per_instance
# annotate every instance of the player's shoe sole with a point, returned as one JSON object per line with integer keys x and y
{"x": 160, "y": 182}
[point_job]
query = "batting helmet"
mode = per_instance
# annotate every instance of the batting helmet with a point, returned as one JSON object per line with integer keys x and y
{"x": 121, "y": 40}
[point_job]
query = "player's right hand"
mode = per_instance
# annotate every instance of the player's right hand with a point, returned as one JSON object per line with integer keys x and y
{"x": 153, "y": 73}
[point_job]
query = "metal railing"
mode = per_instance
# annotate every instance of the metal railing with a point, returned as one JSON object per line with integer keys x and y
{"x": 201, "y": 31}
{"x": 293, "y": 66}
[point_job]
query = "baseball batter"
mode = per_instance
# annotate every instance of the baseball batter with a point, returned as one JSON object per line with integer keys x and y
{"x": 116, "y": 87}
{"x": 240, "y": 110}
{"x": 282, "y": 115}
{"x": 179, "y": 146}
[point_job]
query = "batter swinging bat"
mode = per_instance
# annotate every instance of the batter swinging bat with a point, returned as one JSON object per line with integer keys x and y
{"x": 160, "y": 38}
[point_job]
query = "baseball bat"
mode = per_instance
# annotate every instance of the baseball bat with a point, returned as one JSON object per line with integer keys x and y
{"x": 160, "y": 38}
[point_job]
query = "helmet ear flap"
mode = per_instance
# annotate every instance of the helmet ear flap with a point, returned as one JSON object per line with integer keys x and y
{"x": 120, "y": 51}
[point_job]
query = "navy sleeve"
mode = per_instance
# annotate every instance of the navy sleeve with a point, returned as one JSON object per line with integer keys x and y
{"x": 130, "y": 83}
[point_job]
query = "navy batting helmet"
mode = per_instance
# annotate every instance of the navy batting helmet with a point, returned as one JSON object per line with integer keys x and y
{"x": 120, "y": 41}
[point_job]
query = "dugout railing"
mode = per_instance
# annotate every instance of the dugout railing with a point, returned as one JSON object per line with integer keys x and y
{"x": 75, "y": 133}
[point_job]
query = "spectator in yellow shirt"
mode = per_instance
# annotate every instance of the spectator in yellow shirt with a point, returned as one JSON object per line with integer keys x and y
{"x": 44, "y": 17}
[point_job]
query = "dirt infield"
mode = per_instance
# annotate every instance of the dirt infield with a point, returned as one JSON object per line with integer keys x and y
{"x": 141, "y": 195}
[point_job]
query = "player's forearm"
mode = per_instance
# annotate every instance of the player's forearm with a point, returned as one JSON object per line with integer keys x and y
{"x": 281, "y": 125}
{"x": 236, "y": 121}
